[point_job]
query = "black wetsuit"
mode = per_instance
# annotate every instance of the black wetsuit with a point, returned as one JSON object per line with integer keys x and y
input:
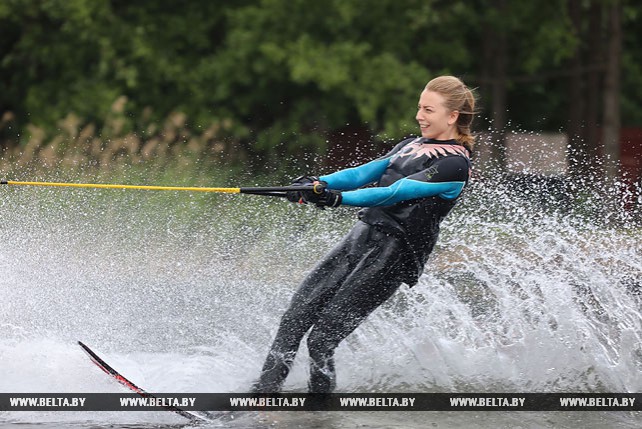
{"x": 417, "y": 184}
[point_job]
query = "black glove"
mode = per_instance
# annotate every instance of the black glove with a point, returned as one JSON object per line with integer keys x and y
{"x": 327, "y": 198}
{"x": 297, "y": 196}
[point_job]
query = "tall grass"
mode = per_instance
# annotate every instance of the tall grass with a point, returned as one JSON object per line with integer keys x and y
{"x": 138, "y": 151}
{"x": 125, "y": 147}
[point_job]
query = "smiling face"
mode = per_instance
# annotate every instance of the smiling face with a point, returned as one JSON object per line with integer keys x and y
{"x": 435, "y": 120}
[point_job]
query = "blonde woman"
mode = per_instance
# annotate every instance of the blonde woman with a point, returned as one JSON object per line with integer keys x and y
{"x": 416, "y": 185}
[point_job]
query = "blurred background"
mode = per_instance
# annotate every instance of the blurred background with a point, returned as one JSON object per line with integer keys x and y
{"x": 285, "y": 86}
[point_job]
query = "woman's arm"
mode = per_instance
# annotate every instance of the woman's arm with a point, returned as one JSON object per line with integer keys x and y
{"x": 353, "y": 178}
{"x": 445, "y": 178}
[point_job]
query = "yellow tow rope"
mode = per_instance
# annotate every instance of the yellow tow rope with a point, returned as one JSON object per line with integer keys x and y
{"x": 271, "y": 191}
{"x": 108, "y": 186}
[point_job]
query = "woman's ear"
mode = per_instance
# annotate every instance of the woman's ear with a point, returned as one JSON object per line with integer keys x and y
{"x": 454, "y": 115}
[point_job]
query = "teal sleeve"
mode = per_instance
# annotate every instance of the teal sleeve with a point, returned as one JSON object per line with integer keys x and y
{"x": 401, "y": 190}
{"x": 353, "y": 178}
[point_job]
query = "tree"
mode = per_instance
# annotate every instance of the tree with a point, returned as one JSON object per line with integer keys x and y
{"x": 584, "y": 82}
{"x": 61, "y": 56}
{"x": 291, "y": 74}
{"x": 611, "y": 134}
{"x": 296, "y": 70}
{"x": 523, "y": 46}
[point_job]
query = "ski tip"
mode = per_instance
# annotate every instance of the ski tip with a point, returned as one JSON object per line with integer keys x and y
{"x": 87, "y": 350}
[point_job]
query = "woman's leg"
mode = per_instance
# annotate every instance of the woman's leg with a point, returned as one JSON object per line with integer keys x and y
{"x": 306, "y": 305}
{"x": 369, "y": 286}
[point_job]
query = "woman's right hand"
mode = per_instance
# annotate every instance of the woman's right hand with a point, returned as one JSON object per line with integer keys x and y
{"x": 297, "y": 196}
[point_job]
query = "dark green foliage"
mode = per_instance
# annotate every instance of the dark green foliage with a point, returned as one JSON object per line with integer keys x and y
{"x": 283, "y": 74}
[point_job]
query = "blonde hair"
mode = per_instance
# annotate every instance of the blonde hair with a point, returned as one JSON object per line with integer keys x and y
{"x": 457, "y": 97}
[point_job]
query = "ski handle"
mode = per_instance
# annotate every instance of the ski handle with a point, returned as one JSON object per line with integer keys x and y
{"x": 281, "y": 191}
{"x": 273, "y": 191}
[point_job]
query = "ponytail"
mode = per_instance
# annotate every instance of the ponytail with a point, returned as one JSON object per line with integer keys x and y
{"x": 466, "y": 139}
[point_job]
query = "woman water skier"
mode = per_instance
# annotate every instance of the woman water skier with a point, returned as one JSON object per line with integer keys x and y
{"x": 417, "y": 184}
